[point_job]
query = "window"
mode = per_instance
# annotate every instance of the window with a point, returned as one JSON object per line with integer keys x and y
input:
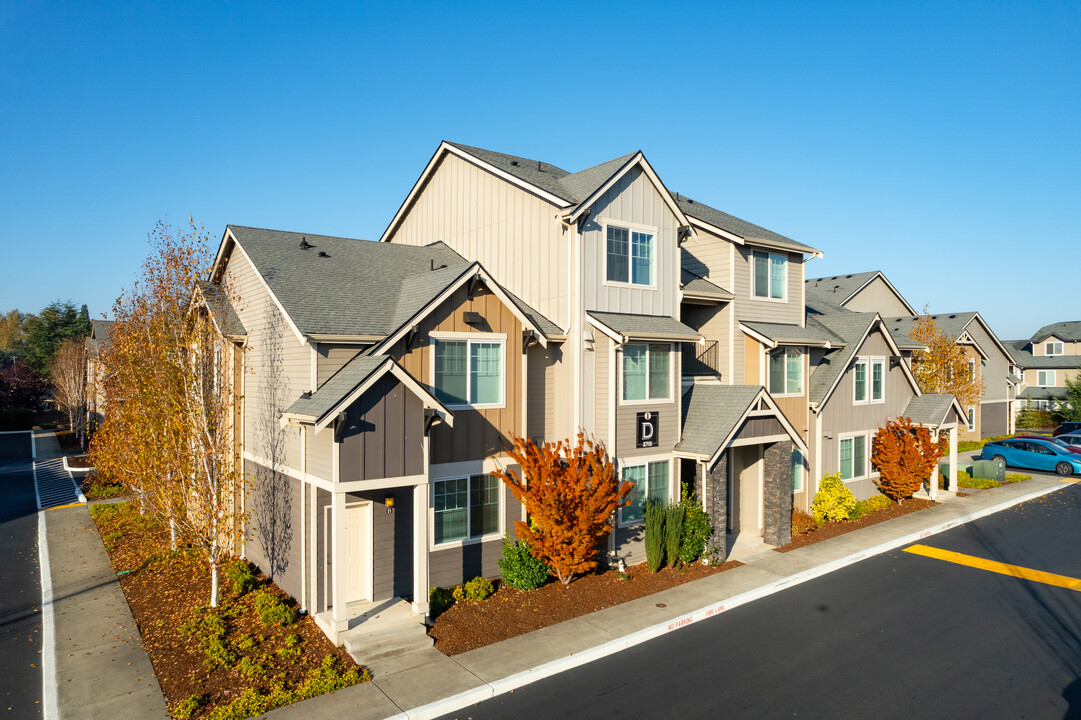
{"x": 630, "y": 256}
{"x": 853, "y": 457}
{"x": 878, "y": 380}
{"x": 647, "y": 371}
{"x": 971, "y": 418}
{"x": 466, "y": 508}
{"x": 859, "y": 381}
{"x": 468, "y": 372}
{"x": 971, "y": 369}
{"x": 785, "y": 371}
{"x": 770, "y": 275}
{"x": 1052, "y": 348}
{"x": 1045, "y": 378}
{"x": 650, "y": 483}
{"x": 797, "y": 471}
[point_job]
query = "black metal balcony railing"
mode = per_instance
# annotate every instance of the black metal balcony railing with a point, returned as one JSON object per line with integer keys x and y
{"x": 701, "y": 360}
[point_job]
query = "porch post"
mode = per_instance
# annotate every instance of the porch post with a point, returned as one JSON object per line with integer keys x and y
{"x": 953, "y": 459}
{"x": 420, "y": 549}
{"x": 934, "y": 473}
{"x": 340, "y": 539}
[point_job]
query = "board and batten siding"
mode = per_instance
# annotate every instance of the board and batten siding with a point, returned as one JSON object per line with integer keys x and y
{"x": 839, "y": 416}
{"x": 748, "y": 307}
{"x": 877, "y": 297}
{"x": 544, "y": 405}
{"x": 384, "y": 434}
{"x": 331, "y": 358}
{"x": 477, "y": 433}
{"x": 272, "y": 380}
{"x": 487, "y": 219}
{"x": 632, "y": 202}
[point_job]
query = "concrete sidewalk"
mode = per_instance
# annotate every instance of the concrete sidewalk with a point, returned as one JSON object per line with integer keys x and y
{"x": 429, "y": 684}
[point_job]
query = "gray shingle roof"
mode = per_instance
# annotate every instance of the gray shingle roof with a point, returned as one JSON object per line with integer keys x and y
{"x": 1043, "y": 393}
{"x": 223, "y": 313}
{"x": 645, "y": 326}
{"x": 99, "y": 335}
{"x": 338, "y": 387}
{"x": 362, "y": 288}
{"x": 1069, "y": 330}
{"x": 928, "y": 409}
{"x": 814, "y": 334}
{"x": 582, "y": 184}
{"x": 832, "y": 291}
{"x": 710, "y": 414}
{"x": 952, "y": 324}
{"x": 546, "y": 326}
{"x": 695, "y": 285}
{"x": 850, "y": 327}
{"x": 1025, "y": 359}
{"x": 736, "y": 226}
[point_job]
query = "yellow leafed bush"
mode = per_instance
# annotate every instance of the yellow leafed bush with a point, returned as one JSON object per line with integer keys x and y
{"x": 833, "y": 502}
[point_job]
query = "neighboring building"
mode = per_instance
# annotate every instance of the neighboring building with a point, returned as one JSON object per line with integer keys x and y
{"x": 95, "y": 391}
{"x": 1045, "y": 361}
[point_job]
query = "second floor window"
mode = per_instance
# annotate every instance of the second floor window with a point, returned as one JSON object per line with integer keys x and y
{"x": 873, "y": 391}
{"x": 468, "y": 372}
{"x": 770, "y": 275}
{"x": 785, "y": 371}
{"x": 630, "y": 256}
{"x": 1052, "y": 348}
{"x": 1045, "y": 378}
{"x": 647, "y": 371}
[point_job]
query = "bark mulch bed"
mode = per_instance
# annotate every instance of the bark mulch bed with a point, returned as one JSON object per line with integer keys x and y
{"x": 258, "y": 664}
{"x": 831, "y": 530}
{"x": 509, "y": 612}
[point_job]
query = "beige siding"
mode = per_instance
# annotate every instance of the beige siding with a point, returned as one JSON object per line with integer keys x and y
{"x": 715, "y": 324}
{"x": 963, "y": 433}
{"x": 627, "y": 418}
{"x": 330, "y": 359}
{"x": 748, "y": 307}
{"x": 544, "y": 404}
{"x": 487, "y": 219}
{"x": 634, "y": 202}
{"x": 602, "y": 390}
{"x": 320, "y": 453}
{"x": 877, "y": 297}
{"x": 708, "y": 255}
{"x": 752, "y": 356}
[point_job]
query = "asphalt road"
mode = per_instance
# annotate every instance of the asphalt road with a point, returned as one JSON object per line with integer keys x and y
{"x": 20, "y": 586}
{"x": 896, "y": 636}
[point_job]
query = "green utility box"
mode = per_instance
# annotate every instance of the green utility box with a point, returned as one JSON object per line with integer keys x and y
{"x": 989, "y": 469}
{"x": 944, "y": 469}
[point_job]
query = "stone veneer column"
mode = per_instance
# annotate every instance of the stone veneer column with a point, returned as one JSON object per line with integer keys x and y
{"x": 715, "y": 503}
{"x": 778, "y": 493}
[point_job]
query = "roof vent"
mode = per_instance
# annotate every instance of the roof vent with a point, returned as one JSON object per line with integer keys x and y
{"x": 514, "y": 163}
{"x": 437, "y": 268}
{"x": 323, "y": 254}
{"x": 304, "y": 244}
{"x": 953, "y": 317}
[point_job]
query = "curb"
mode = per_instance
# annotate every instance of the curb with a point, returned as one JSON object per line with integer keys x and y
{"x": 554, "y": 667}
{"x": 78, "y": 490}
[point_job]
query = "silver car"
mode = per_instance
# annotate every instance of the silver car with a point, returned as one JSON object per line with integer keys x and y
{"x": 1072, "y": 439}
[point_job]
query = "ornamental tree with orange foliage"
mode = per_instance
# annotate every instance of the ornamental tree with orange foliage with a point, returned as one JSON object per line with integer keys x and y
{"x": 904, "y": 455}
{"x": 943, "y": 367}
{"x": 570, "y": 494}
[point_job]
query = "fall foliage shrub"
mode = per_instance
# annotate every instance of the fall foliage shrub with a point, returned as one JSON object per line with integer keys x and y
{"x": 655, "y": 516}
{"x": 439, "y": 599}
{"x": 476, "y": 589}
{"x": 905, "y": 455}
{"x": 519, "y": 568}
{"x": 696, "y": 529}
{"x": 673, "y": 532}
{"x": 833, "y": 502}
{"x": 570, "y": 494}
{"x": 272, "y": 611}
{"x": 802, "y": 522}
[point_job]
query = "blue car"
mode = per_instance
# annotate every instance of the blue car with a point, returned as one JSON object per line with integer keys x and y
{"x": 1033, "y": 454}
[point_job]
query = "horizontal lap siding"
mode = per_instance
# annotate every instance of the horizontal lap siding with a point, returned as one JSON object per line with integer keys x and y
{"x": 878, "y": 297}
{"x": 751, "y": 308}
{"x": 482, "y": 433}
{"x": 272, "y": 531}
{"x": 708, "y": 256}
{"x": 331, "y": 359}
{"x": 320, "y": 453}
{"x": 545, "y": 406}
{"x": 487, "y": 219}
{"x": 602, "y": 349}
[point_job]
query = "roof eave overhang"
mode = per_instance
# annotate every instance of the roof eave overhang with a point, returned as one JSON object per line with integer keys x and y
{"x": 638, "y": 158}
{"x": 624, "y": 338}
{"x": 788, "y": 428}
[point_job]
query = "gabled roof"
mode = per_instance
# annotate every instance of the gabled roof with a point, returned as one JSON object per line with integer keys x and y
{"x": 540, "y": 174}
{"x": 1069, "y": 330}
{"x": 713, "y": 413}
{"x": 1025, "y": 359}
{"x": 932, "y": 410}
{"x": 1043, "y": 393}
{"x": 730, "y": 225}
{"x": 624, "y": 327}
{"x": 99, "y": 335}
{"x": 696, "y": 287}
{"x": 349, "y": 383}
{"x": 773, "y": 334}
{"x": 853, "y": 328}
{"x": 955, "y": 325}
{"x": 221, "y": 311}
{"x": 835, "y": 291}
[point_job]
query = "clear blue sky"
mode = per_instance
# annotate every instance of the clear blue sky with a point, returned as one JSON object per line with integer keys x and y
{"x": 938, "y": 142}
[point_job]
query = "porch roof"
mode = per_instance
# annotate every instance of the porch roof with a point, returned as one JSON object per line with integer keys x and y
{"x": 932, "y": 410}
{"x": 623, "y": 327}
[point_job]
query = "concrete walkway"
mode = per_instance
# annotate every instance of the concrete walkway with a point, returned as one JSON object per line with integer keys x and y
{"x": 429, "y": 684}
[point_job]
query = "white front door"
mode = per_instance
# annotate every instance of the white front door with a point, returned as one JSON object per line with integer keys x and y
{"x": 358, "y": 533}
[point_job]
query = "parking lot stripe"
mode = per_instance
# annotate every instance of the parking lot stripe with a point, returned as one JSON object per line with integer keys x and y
{"x": 997, "y": 567}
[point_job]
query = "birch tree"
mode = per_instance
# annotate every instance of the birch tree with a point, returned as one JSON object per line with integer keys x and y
{"x": 68, "y": 372}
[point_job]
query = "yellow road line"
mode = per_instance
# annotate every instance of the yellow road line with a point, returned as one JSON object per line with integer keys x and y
{"x": 996, "y": 567}
{"x": 59, "y": 507}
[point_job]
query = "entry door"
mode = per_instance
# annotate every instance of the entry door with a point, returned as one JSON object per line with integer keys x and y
{"x": 358, "y": 532}
{"x": 745, "y": 511}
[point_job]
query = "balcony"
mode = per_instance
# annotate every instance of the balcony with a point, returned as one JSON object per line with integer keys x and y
{"x": 702, "y": 360}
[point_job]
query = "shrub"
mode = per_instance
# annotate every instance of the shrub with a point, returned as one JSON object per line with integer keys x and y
{"x": 673, "y": 532}
{"x": 519, "y": 568}
{"x": 868, "y": 506}
{"x": 476, "y": 589}
{"x": 696, "y": 529}
{"x": 1016, "y": 477}
{"x": 833, "y": 502}
{"x": 186, "y": 709}
{"x": 272, "y": 611}
{"x": 208, "y": 628}
{"x": 439, "y": 599}
{"x": 655, "y": 514}
{"x": 802, "y": 522}
{"x": 968, "y": 445}
{"x": 241, "y": 575}
{"x": 967, "y": 481}
{"x": 905, "y": 455}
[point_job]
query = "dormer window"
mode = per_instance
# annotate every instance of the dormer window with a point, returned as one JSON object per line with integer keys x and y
{"x": 1052, "y": 348}
{"x": 770, "y": 275}
{"x": 630, "y": 256}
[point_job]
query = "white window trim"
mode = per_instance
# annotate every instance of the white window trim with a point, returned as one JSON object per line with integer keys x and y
{"x": 970, "y": 418}
{"x": 871, "y": 381}
{"x": 866, "y": 460}
{"x": 1040, "y": 374}
{"x": 644, "y": 460}
{"x": 802, "y": 371}
{"x": 803, "y": 473}
{"x": 784, "y": 283}
{"x": 629, "y": 227}
{"x": 500, "y": 338}
{"x": 671, "y": 367}
{"x": 468, "y": 540}
{"x": 867, "y": 381}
